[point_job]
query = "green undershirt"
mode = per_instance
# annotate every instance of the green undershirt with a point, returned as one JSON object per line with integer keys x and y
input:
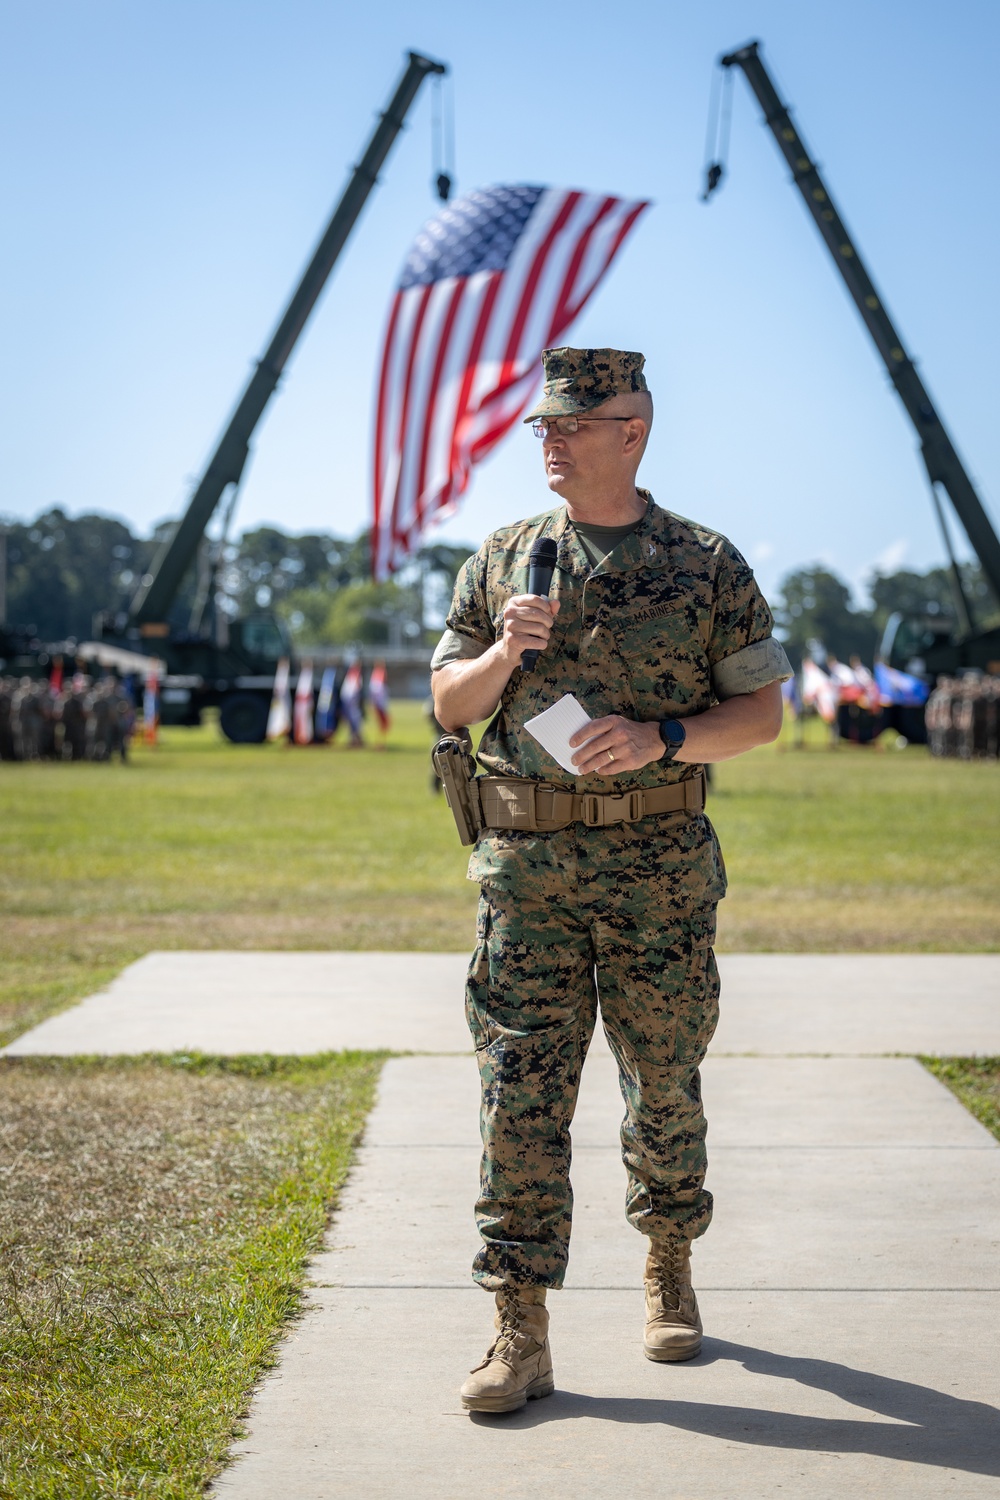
{"x": 598, "y": 541}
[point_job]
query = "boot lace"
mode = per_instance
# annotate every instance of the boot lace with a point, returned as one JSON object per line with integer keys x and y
{"x": 666, "y": 1275}
{"x": 511, "y": 1318}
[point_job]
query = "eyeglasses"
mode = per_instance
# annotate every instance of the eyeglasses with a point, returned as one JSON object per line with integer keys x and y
{"x": 568, "y": 425}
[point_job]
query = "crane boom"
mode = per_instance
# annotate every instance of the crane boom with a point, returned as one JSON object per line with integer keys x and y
{"x": 158, "y": 590}
{"x": 944, "y": 467}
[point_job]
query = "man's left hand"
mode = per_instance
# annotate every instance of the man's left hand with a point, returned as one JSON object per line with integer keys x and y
{"x": 614, "y": 745}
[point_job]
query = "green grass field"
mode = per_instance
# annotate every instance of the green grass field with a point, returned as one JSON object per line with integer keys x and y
{"x": 974, "y": 1080}
{"x": 155, "y": 1218}
{"x": 201, "y": 844}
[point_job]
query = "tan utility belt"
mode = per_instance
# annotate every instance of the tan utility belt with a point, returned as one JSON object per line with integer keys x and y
{"x": 513, "y": 803}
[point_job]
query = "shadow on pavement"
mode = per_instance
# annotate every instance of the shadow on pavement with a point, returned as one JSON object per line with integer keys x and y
{"x": 940, "y": 1429}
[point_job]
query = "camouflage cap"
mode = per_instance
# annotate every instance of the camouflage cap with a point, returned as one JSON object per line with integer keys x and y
{"x": 578, "y": 379}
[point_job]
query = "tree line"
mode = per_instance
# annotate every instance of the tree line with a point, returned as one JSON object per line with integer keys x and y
{"x": 815, "y": 609}
{"x": 61, "y": 570}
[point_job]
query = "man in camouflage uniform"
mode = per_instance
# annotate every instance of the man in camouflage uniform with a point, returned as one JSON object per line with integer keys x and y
{"x": 657, "y": 626}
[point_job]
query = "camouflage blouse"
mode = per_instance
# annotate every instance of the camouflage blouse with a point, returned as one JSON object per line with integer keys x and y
{"x": 669, "y": 623}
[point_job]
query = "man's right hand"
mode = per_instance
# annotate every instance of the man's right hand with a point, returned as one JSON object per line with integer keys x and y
{"x": 527, "y": 625}
{"x": 465, "y": 692}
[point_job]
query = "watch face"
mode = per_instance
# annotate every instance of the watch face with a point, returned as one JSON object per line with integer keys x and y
{"x": 672, "y": 733}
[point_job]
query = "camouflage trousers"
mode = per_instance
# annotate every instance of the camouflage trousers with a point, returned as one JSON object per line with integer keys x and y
{"x": 540, "y": 970}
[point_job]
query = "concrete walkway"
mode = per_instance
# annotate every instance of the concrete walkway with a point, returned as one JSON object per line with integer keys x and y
{"x": 776, "y": 1003}
{"x": 850, "y": 1287}
{"x": 850, "y": 1283}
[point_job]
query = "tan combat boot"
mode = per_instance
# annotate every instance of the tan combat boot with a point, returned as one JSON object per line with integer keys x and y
{"x": 518, "y": 1365}
{"x": 673, "y": 1324}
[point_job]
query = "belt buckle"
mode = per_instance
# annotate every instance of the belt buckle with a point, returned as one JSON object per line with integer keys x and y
{"x": 593, "y": 812}
{"x": 600, "y": 810}
{"x": 628, "y": 807}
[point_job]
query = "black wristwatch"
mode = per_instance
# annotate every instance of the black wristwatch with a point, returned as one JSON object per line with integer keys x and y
{"x": 673, "y": 734}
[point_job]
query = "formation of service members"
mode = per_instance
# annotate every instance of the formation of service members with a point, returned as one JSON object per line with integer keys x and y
{"x": 963, "y": 717}
{"x": 83, "y": 720}
{"x": 606, "y": 883}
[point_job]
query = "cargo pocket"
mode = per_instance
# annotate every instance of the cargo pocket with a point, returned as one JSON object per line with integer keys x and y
{"x": 698, "y": 1011}
{"x": 477, "y": 984}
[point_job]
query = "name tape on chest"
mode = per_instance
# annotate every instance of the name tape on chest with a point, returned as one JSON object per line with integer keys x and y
{"x": 655, "y": 612}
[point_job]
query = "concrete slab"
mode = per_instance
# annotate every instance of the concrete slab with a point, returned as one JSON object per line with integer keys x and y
{"x": 823, "y": 1395}
{"x": 849, "y": 1286}
{"x": 781, "y": 1004}
{"x": 802, "y": 1102}
{"x": 860, "y": 1003}
{"x": 784, "y": 1219}
{"x": 820, "y": 1186}
{"x": 266, "y": 1002}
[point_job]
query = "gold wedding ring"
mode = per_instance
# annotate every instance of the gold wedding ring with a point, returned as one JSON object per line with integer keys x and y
{"x": 610, "y": 756}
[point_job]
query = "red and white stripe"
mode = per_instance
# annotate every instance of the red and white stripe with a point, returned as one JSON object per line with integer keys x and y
{"x": 461, "y": 361}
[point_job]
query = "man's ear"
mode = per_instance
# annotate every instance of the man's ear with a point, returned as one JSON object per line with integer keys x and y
{"x": 635, "y": 434}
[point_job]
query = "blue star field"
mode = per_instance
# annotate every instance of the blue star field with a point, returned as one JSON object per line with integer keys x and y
{"x": 477, "y": 232}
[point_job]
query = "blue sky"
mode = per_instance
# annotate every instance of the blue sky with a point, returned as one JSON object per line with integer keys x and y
{"x": 169, "y": 166}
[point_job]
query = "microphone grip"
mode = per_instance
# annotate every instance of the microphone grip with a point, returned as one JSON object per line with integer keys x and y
{"x": 539, "y": 582}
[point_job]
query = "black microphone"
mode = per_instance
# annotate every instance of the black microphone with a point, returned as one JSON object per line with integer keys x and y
{"x": 541, "y": 562}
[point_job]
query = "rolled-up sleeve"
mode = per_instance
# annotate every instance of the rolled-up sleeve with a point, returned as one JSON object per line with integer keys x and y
{"x": 468, "y": 629}
{"x": 743, "y": 653}
{"x": 454, "y": 646}
{"x": 752, "y": 668}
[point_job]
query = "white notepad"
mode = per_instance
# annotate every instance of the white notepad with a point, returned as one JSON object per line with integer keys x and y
{"x": 553, "y": 728}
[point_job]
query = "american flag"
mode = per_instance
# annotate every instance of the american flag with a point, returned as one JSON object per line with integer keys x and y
{"x": 492, "y": 280}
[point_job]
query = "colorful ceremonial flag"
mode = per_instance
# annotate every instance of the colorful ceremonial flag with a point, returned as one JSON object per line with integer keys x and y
{"x": 871, "y": 695}
{"x": 845, "y": 680}
{"x": 819, "y": 691}
{"x": 350, "y": 700}
{"x": 279, "y": 720}
{"x": 303, "y": 719}
{"x": 151, "y": 708}
{"x": 378, "y": 695}
{"x": 900, "y": 688}
{"x": 494, "y": 278}
{"x": 326, "y": 708}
